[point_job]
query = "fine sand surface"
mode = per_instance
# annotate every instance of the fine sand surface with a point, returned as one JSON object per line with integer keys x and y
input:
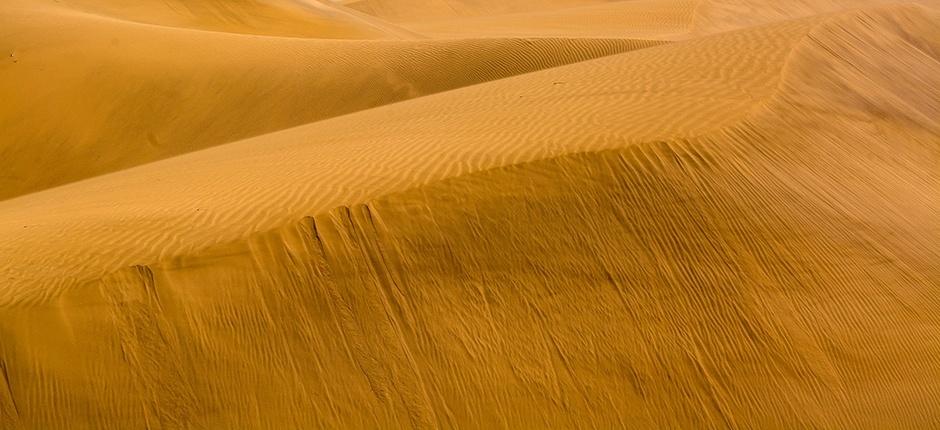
{"x": 277, "y": 214}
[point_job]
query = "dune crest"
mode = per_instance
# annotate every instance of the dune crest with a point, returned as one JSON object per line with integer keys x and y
{"x": 122, "y": 94}
{"x": 574, "y": 108}
{"x": 738, "y": 230}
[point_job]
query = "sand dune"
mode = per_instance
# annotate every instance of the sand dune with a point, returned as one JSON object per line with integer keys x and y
{"x": 644, "y": 19}
{"x": 413, "y": 10}
{"x": 123, "y": 94}
{"x": 600, "y": 104}
{"x": 721, "y": 15}
{"x": 307, "y": 18}
{"x": 733, "y": 230}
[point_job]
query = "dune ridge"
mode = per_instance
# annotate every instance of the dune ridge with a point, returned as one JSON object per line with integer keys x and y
{"x": 150, "y": 177}
{"x": 413, "y": 133}
{"x": 651, "y": 239}
{"x": 157, "y": 92}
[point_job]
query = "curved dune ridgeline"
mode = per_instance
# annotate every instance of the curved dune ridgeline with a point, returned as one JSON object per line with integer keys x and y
{"x": 733, "y": 230}
{"x": 263, "y": 182}
{"x": 102, "y": 95}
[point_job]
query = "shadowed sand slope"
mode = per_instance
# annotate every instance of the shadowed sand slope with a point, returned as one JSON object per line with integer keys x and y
{"x": 100, "y": 95}
{"x": 736, "y": 231}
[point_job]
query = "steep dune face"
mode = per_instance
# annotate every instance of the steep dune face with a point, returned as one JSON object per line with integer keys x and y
{"x": 736, "y": 231}
{"x": 102, "y": 95}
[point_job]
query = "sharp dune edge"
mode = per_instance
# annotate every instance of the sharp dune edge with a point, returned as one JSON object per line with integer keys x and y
{"x": 739, "y": 228}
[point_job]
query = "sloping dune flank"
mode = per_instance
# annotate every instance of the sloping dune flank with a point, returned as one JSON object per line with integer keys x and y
{"x": 305, "y": 18}
{"x": 260, "y": 183}
{"x": 103, "y": 95}
{"x": 720, "y": 15}
{"x": 417, "y": 10}
{"x": 736, "y": 231}
{"x": 649, "y": 19}
{"x": 645, "y": 19}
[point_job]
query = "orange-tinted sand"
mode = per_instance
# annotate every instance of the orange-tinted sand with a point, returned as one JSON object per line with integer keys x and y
{"x": 277, "y": 214}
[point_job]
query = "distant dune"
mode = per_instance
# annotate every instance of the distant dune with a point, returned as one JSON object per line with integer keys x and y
{"x": 455, "y": 214}
{"x": 290, "y": 18}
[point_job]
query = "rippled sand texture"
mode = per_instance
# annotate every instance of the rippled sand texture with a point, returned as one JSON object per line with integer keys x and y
{"x": 221, "y": 214}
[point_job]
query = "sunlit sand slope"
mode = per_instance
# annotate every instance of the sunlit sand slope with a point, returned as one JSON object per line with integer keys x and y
{"x": 617, "y": 243}
{"x": 713, "y": 16}
{"x": 220, "y": 194}
{"x": 646, "y": 19}
{"x": 297, "y": 18}
{"x": 99, "y": 95}
{"x": 417, "y": 10}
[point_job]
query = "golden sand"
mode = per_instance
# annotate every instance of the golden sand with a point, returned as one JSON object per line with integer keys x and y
{"x": 221, "y": 214}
